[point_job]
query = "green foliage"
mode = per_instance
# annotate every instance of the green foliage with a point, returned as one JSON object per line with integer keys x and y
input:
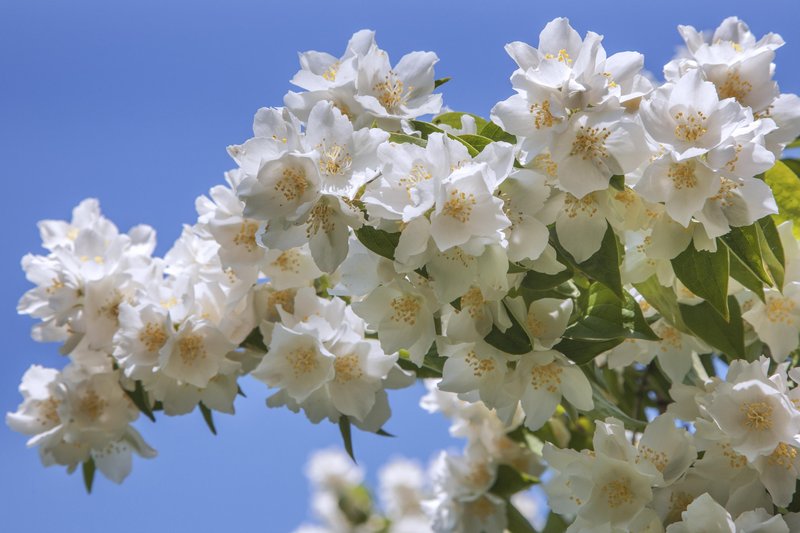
{"x": 208, "y": 416}
{"x": 494, "y": 132}
{"x": 706, "y": 323}
{"x": 785, "y": 187}
{"x": 347, "y": 437}
{"x": 603, "y": 266}
{"x": 403, "y": 138}
{"x": 453, "y": 119}
{"x": 510, "y": 481}
{"x": 379, "y": 241}
{"x": 88, "y": 469}
{"x": 706, "y": 275}
{"x": 140, "y": 399}
{"x": 441, "y": 81}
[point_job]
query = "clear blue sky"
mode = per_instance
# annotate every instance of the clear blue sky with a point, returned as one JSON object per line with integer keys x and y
{"x": 134, "y": 103}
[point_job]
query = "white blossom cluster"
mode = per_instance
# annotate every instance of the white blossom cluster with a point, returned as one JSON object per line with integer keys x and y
{"x": 576, "y": 263}
{"x": 453, "y": 494}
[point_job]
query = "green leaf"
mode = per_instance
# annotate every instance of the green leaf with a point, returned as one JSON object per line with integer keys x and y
{"x": 517, "y": 523}
{"x": 88, "y": 469}
{"x": 453, "y": 119}
{"x": 471, "y": 150}
{"x": 477, "y": 142}
{"x": 618, "y": 182}
{"x": 744, "y": 244}
{"x": 425, "y": 128}
{"x": 583, "y": 351}
{"x": 604, "y": 408}
{"x": 514, "y": 340}
{"x": 794, "y": 165}
{"x": 786, "y": 188}
{"x": 347, "y": 438}
{"x": 555, "y": 524}
{"x": 402, "y": 138}
{"x": 441, "y": 81}
{"x": 706, "y": 275}
{"x": 240, "y": 392}
{"x": 609, "y": 317}
{"x": 140, "y": 399}
{"x": 794, "y": 144}
{"x": 664, "y": 301}
{"x": 255, "y": 341}
{"x": 725, "y": 335}
{"x": 536, "y": 281}
{"x": 603, "y": 266}
{"x": 510, "y": 481}
{"x": 772, "y": 250}
{"x": 208, "y": 416}
{"x": 496, "y": 133}
{"x": 384, "y": 433}
{"x": 745, "y": 276}
{"x": 379, "y": 241}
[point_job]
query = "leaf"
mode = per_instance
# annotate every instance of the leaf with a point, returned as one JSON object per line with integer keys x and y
{"x": 517, "y": 523}
{"x": 425, "y": 128}
{"x": 705, "y": 274}
{"x": 725, "y": 335}
{"x": 88, "y": 470}
{"x": 347, "y": 438}
{"x": 772, "y": 250}
{"x": 555, "y": 524}
{"x": 513, "y": 340}
{"x": 471, "y": 150}
{"x": 744, "y": 245}
{"x": 510, "y": 481}
{"x": 453, "y": 119}
{"x": 441, "y": 81}
{"x": 240, "y": 392}
{"x": 139, "y": 398}
{"x": 664, "y": 301}
{"x": 608, "y": 317}
{"x": 478, "y": 142}
{"x": 603, "y": 266}
{"x": 208, "y": 416}
{"x": 496, "y": 133}
{"x": 794, "y": 144}
{"x": 786, "y": 188}
{"x": 745, "y": 276}
{"x": 384, "y": 433}
{"x": 379, "y": 241}
{"x": 402, "y": 138}
{"x": 536, "y": 281}
{"x": 255, "y": 341}
{"x": 618, "y": 182}
{"x": 584, "y": 351}
{"x": 603, "y": 408}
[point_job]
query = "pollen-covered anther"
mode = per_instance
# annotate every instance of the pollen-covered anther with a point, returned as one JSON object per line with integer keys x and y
{"x": 302, "y": 361}
{"x": 757, "y": 416}
{"x": 459, "y": 205}
{"x": 320, "y": 218}
{"x": 590, "y": 143}
{"x": 618, "y": 492}
{"x": 405, "y": 309}
{"x": 191, "y": 349}
{"x": 335, "y": 160}
{"x": 293, "y": 183}
{"x": 734, "y": 87}
{"x": 479, "y": 366}
{"x": 246, "y": 236}
{"x": 683, "y": 175}
{"x": 288, "y": 261}
{"x": 546, "y": 376}
{"x": 153, "y": 336}
{"x": 347, "y": 368}
{"x": 690, "y": 126}
{"x": 779, "y": 310}
{"x": 542, "y": 116}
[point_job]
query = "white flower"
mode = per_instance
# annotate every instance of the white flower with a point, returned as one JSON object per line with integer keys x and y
{"x": 196, "y": 353}
{"x": 755, "y": 416}
{"x": 543, "y": 378}
{"x": 403, "y": 317}
{"x": 296, "y": 361}
{"x": 777, "y": 320}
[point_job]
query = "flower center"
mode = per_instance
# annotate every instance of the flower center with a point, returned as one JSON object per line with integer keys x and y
{"x": 246, "y": 236}
{"x": 690, "y": 126}
{"x": 590, "y": 143}
{"x": 459, "y": 205}
{"x": 347, "y": 368}
{"x": 757, "y": 415}
{"x": 191, "y": 349}
{"x": 153, "y": 336}
{"x": 303, "y": 361}
{"x": 546, "y": 376}
{"x": 335, "y": 161}
{"x": 293, "y": 183}
{"x": 405, "y": 309}
{"x": 683, "y": 175}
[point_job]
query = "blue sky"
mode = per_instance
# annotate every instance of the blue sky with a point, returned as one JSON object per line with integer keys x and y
{"x": 134, "y": 103}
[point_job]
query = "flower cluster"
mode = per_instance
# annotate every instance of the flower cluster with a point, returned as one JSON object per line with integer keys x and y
{"x": 586, "y": 260}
